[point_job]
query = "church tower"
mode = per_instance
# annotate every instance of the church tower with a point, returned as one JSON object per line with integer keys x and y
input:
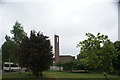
{"x": 56, "y": 47}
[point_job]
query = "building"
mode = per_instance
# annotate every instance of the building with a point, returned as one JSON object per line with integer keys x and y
{"x": 60, "y": 58}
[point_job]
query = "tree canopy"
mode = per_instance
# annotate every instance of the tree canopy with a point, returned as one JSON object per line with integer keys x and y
{"x": 97, "y": 52}
{"x": 116, "y": 61}
{"x": 18, "y": 32}
{"x": 35, "y": 53}
{"x": 8, "y": 50}
{"x": 9, "y": 47}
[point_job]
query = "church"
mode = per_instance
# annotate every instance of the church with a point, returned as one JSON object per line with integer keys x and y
{"x": 60, "y": 58}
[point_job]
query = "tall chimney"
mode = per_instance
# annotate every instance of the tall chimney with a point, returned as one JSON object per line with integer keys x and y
{"x": 56, "y": 47}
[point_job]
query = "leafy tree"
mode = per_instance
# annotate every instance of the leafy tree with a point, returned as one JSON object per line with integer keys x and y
{"x": 18, "y": 32}
{"x": 116, "y": 61}
{"x": 8, "y": 50}
{"x": 97, "y": 52}
{"x": 35, "y": 53}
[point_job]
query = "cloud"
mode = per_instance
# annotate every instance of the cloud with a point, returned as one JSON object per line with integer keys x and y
{"x": 69, "y": 19}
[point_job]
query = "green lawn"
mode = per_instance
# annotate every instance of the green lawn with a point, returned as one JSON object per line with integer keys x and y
{"x": 18, "y": 75}
{"x": 57, "y": 74}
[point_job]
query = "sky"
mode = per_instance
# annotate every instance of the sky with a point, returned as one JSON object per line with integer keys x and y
{"x": 70, "y": 19}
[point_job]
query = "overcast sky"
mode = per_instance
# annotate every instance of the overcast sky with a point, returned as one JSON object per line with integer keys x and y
{"x": 70, "y": 19}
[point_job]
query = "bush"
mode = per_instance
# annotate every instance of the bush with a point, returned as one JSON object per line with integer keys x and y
{"x": 73, "y": 65}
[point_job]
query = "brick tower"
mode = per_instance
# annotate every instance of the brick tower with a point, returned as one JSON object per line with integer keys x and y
{"x": 56, "y": 44}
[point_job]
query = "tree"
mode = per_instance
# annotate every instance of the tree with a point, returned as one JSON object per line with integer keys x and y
{"x": 97, "y": 52}
{"x": 116, "y": 61}
{"x": 18, "y": 32}
{"x": 35, "y": 53}
{"x": 9, "y": 48}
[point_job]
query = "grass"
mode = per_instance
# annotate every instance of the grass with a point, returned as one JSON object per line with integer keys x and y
{"x": 18, "y": 75}
{"x": 57, "y": 74}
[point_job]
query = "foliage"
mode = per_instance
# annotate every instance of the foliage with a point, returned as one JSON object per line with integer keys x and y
{"x": 68, "y": 66}
{"x": 116, "y": 61}
{"x": 59, "y": 64}
{"x": 35, "y": 53}
{"x": 18, "y": 32}
{"x": 9, "y": 48}
{"x": 78, "y": 65}
{"x": 97, "y": 52}
{"x": 73, "y": 65}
